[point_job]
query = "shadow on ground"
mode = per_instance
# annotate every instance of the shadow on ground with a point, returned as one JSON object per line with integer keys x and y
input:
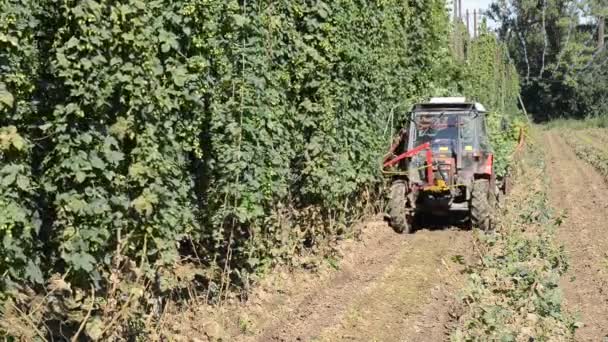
{"x": 434, "y": 222}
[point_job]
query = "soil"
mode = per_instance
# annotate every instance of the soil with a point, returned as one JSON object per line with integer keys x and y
{"x": 581, "y": 192}
{"x": 394, "y": 287}
{"x": 384, "y": 286}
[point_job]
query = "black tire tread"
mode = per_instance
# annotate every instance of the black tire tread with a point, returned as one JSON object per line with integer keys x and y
{"x": 397, "y": 207}
{"x": 481, "y": 208}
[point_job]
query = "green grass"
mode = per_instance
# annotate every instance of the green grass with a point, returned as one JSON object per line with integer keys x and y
{"x": 600, "y": 121}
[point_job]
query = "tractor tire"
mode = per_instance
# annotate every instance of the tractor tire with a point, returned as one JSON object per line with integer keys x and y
{"x": 481, "y": 206}
{"x": 397, "y": 211}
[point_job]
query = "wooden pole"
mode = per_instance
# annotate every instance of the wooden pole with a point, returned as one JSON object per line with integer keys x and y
{"x": 468, "y": 25}
{"x": 600, "y": 32}
{"x": 456, "y": 37}
{"x": 474, "y": 23}
{"x": 523, "y": 107}
{"x": 460, "y": 9}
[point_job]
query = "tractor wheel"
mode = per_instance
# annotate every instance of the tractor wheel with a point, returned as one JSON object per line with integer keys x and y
{"x": 397, "y": 207}
{"x": 481, "y": 205}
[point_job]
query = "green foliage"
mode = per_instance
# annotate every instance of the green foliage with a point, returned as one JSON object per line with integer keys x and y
{"x": 118, "y": 170}
{"x": 297, "y": 115}
{"x": 554, "y": 46}
{"x": 491, "y": 77}
{"x": 237, "y": 132}
{"x": 19, "y": 215}
{"x": 591, "y": 90}
{"x": 505, "y": 131}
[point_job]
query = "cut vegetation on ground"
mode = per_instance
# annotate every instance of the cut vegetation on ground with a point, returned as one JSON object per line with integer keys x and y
{"x": 513, "y": 292}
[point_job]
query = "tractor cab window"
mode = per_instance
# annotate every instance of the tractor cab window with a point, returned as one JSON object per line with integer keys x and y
{"x": 440, "y": 130}
{"x": 484, "y": 143}
{"x": 467, "y": 133}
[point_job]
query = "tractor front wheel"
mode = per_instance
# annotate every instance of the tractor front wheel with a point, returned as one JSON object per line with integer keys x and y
{"x": 397, "y": 210}
{"x": 481, "y": 206}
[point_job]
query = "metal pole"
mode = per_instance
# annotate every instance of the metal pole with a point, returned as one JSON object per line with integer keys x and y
{"x": 455, "y": 10}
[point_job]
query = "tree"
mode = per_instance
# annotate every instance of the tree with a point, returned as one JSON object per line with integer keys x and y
{"x": 553, "y": 47}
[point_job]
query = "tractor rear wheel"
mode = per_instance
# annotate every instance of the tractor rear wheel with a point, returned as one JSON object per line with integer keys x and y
{"x": 481, "y": 205}
{"x": 397, "y": 210}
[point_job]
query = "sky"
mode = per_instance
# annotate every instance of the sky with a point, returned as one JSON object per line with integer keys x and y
{"x": 475, "y": 4}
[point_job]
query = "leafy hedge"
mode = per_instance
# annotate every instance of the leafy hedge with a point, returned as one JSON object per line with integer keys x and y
{"x": 236, "y": 131}
{"x": 492, "y": 77}
{"x": 20, "y": 214}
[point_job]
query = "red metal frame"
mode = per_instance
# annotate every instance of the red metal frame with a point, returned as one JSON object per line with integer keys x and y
{"x": 488, "y": 164}
{"x": 413, "y": 152}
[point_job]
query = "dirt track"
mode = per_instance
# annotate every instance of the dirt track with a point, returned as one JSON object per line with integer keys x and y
{"x": 582, "y": 193}
{"x": 389, "y": 287}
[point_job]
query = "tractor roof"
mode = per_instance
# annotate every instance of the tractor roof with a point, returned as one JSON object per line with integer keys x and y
{"x": 448, "y": 104}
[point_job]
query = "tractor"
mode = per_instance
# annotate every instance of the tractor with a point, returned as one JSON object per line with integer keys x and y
{"x": 441, "y": 163}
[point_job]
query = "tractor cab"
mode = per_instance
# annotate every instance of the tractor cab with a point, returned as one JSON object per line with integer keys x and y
{"x": 457, "y": 138}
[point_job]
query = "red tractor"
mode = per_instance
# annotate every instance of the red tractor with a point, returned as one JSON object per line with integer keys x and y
{"x": 441, "y": 163}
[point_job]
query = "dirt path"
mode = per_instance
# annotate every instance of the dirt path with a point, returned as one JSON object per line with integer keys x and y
{"x": 390, "y": 287}
{"x": 579, "y": 190}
